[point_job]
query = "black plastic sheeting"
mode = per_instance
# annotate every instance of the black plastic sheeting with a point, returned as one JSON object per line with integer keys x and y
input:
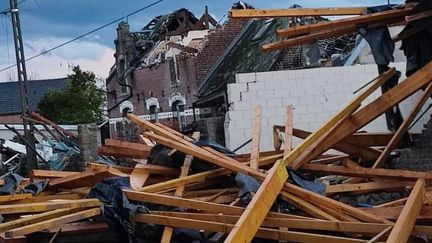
{"x": 248, "y": 185}
{"x": 12, "y": 180}
{"x": 382, "y": 47}
{"x": 418, "y": 47}
{"x": 159, "y": 155}
{"x": 119, "y": 212}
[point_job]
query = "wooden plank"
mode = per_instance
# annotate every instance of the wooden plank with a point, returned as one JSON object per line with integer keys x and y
{"x": 225, "y": 228}
{"x": 328, "y": 33}
{"x": 138, "y": 178}
{"x": 299, "y": 223}
{"x": 319, "y": 200}
{"x": 418, "y": 16}
{"x": 307, "y": 207}
{"x": 123, "y": 152}
{"x": 349, "y": 109}
{"x": 251, "y": 219}
{"x": 33, "y": 219}
{"x": 171, "y": 184}
{"x": 203, "y": 154}
{"x": 49, "y": 174}
{"x": 367, "y": 172}
{"x": 393, "y": 213}
{"x": 144, "y": 168}
{"x": 358, "y": 20}
{"x": 367, "y": 187}
{"x": 87, "y": 178}
{"x": 68, "y": 196}
{"x": 288, "y": 129}
{"x": 167, "y": 233}
{"x": 405, "y": 223}
{"x": 15, "y": 197}
{"x": 168, "y": 139}
{"x": 127, "y": 145}
{"x": 256, "y": 136}
{"x": 47, "y": 206}
{"x": 381, "y": 234}
{"x": 295, "y": 12}
{"x": 403, "y": 128}
{"x": 372, "y": 110}
{"x": 52, "y": 222}
{"x": 351, "y": 148}
{"x": 181, "y": 202}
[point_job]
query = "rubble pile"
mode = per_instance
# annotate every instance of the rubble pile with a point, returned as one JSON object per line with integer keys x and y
{"x": 333, "y": 186}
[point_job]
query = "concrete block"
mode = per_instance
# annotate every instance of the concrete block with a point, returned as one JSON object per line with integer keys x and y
{"x": 233, "y": 115}
{"x": 315, "y": 108}
{"x": 234, "y": 97}
{"x": 256, "y": 86}
{"x": 264, "y": 76}
{"x": 282, "y": 92}
{"x": 245, "y": 77}
{"x": 246, "y": 115}
{"x": 249, "y": 96}
{"x": 241, "y": 106}
{"x": 272, "y": 103}
{"x": 267, "y": 112}
{"x": 272, "y": 84}
{"x": 297, "y": 74}
{"x": 237, "y": 87}
{"x": 290, "y": 100}
{"x": 265, "y": 94}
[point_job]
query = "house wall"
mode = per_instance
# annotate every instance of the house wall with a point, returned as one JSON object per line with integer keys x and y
{"x": 156, "y": 78}
{"x": 316, "y": 94}
{"x": 11, "y": 119}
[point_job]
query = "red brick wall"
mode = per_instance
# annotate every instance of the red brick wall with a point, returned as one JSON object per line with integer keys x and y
{"x": 157, "y": 79}
{"x": 191, "y": 72}
{"x": 217, "y": 42}
{"x": 11, "y": 119}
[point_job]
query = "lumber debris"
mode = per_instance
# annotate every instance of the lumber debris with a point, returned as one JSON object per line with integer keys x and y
{"x": 334, "y": 184}
{"x": 295, "y": 12}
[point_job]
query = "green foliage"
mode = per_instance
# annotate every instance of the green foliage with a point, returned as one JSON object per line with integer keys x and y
{"x": 80, "y": 103}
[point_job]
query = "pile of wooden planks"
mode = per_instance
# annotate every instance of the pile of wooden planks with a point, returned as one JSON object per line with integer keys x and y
{"x": 306, "y": 34}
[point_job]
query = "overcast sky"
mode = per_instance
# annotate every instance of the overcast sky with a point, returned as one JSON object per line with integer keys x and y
{"x": 47, "y": 23}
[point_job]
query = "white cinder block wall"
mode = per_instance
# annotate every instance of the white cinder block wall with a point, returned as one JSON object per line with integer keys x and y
{"x": 316, "y": 94}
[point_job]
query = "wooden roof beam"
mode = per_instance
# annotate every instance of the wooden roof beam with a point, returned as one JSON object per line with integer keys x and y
{"x": 295, "y": 12}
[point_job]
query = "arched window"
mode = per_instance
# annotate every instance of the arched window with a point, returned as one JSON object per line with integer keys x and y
{"x": 126, "y": 107}
{"x": 176, "y": 107}
{"x": 125, "y": 111}
{"x": 153, "y": 111}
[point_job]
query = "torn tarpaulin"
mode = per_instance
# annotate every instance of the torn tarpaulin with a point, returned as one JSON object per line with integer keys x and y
{"x": 248, "y": 185}
{"x": 417, "y": 47}
{"x": 10, "y": 184}
{"x": 116, "y": 209}
{"x": 119, "y": 213}
{"x": 160, "y": 155}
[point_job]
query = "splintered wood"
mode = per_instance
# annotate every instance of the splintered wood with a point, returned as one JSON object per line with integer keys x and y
{"x": 332, "y": 186}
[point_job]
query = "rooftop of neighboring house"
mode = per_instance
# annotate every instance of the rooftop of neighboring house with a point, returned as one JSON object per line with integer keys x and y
{"x": 10, "y": 99}
{"x": 244, "y": 55}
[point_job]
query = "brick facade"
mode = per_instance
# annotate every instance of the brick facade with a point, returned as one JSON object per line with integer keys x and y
{"x": 11, "y": 119}
{"x": 419, "y": 156}
{"x": 153, "y": 85}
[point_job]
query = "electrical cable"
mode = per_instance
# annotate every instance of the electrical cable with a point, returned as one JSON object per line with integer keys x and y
{"x": 85, "y": 34}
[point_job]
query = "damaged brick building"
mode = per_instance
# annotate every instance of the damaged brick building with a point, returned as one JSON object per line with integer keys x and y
{"x": 157, "y": 70}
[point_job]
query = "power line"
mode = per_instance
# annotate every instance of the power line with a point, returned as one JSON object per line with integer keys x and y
{"x": 83, "y": 35}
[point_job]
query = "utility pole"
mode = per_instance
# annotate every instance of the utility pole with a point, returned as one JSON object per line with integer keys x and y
{"x": 22, "y": 80}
